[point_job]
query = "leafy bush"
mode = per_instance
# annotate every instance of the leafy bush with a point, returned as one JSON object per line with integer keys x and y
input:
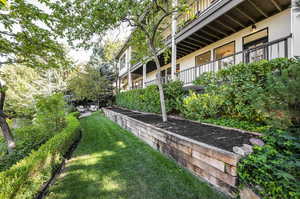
{"x": 235, "y": 123}
{"x": 28, "y": 138}
{"x": 51, "y": 111}
{"x": 199, "y": 106}
{"x": 273, "y": 171}
{"x": 239, "y": 86}
{"x": 24, "y": 179}
{"x": 147, "y": 99}
{"x": 50, "y": 119}
{"x": 280, "y": 98}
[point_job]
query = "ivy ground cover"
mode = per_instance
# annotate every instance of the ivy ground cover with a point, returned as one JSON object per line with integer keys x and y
{"x": 112, "y": 163}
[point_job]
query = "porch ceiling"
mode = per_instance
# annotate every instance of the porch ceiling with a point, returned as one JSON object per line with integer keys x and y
{"x": 230, "y": 17}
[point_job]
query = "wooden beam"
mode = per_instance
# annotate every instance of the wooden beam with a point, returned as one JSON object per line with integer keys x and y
{"x": 210, "y": 34}
{"x": 235, "y": 20}
{"x": 204, "y": 38}
{"x": 197, "y": 41}
{"x": 245, "y": 15}
{"x": 226, "y": 26}
{"x": 190, "y": 43}
{"x": 187, "y": 46}
{"x": 183, "y": 50}
{"x": 217, "y": 30}
{"x": 258, "y": 9}
{"x": 276, "y": 5}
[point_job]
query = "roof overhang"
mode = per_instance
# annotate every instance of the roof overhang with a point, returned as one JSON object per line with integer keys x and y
{"x": 222, "y": 19}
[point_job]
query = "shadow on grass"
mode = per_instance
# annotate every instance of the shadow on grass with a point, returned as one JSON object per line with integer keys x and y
{"x": 112, "y": 163}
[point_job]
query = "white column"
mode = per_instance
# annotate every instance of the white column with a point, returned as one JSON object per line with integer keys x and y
{"x": 129, "y": 68}
{"x": 144, "y": 75}
{"x": 174, "y": 29}
{"x": 295, "y": 22}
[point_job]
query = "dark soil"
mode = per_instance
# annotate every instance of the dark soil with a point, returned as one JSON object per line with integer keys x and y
{"x": 222, "y": 138}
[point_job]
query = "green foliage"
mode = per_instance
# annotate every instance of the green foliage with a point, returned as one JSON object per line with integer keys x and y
{"x": 25, "y": 179}
{"x": 235, "y": 123}
{"x": 197, "y": 106}
{"x": 239, "y": 87}
{"x": 273, "y": 170}
{"x": 36, "y": 45}
{"x": 280, "y": 98}
{"x": 92, "y": 84}
{"x": 49, "y": 120}
{"x": 148, "y": 99}
{"x": 27, "y": 139}
{"x": 51, "y": 112}
{"x": 24, "y": 83}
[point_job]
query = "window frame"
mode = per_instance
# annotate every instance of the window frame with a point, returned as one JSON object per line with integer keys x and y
{"x": 209, "y": 51}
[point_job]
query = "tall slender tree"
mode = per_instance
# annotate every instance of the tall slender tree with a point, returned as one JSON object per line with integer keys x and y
{"x": 147, "y": 17}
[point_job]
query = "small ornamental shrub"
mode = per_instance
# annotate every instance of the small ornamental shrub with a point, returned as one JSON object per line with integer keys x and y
{"x": 235, "y": 123}
{"x": 148, "y": 100}
{"x": 273, "y": 171}
{"x": 25, "y": 179}
{"x": 200, "y": 106}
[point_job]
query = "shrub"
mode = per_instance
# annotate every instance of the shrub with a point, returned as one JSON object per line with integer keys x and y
{"x": 28, "y": 138}
{"x": 273, "y": 170}
{"x": 148, "y": 100}
{"x": 199, "y": 106}
{"x": 235, "y": 123}
{"x": 239, "y": 87}
{"x": 280, "y": 98}
{"x": 24, "y": 179}
{"x": 51, "y": 111}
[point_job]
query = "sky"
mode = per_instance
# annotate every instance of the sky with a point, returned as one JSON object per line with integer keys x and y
{"x": 79, "y": 55}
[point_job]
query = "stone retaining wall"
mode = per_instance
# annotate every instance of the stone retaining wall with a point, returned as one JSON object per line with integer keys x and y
{"x": 216, "y": 166}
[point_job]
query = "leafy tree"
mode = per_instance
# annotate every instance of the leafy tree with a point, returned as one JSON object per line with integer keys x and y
{"x": 147, "y": 17}
{"x": 91, "y": 85}
{"x": 28, "y": 37}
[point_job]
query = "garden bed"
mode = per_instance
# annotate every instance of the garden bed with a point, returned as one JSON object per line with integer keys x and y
{"x": 221, "y": 137}
{"x": 204, "y": 149}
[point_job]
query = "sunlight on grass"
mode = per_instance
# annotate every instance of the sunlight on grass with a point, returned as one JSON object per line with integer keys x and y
{"x": 111, "y": 163}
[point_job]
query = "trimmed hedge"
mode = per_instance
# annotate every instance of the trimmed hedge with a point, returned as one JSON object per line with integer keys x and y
{"x": 147, "y": 99}
{"x": 24, "y": 179}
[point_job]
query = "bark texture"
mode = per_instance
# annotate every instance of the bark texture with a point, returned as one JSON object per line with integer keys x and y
{"x": 11, "y": 145}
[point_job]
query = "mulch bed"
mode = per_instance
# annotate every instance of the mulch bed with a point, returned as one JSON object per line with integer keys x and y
{"x": 216, "y": 136}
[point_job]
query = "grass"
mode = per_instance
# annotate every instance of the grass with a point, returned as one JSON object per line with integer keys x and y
{"x": 111, "y": 163}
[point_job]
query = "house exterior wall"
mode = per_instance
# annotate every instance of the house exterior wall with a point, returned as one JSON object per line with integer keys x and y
{"x": 127, "y": 55}
{"x": 278, "y": 26}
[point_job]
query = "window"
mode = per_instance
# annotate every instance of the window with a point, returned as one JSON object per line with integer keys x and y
{"x": 203, "y": 58}
{"x": 177, "y": 68}
{"x": 253, "y": 41}
{"x": 122, "y": 62}
{"x": 224, "y": 55}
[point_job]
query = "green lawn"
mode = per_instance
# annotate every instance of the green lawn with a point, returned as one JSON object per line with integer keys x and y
{"x": 112, "y": 163}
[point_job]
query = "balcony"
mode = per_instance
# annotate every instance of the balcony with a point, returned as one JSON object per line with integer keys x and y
{"x": 163, "y": 80}
{"x": 196, "y": 8}
{"x": 268, "y": 51}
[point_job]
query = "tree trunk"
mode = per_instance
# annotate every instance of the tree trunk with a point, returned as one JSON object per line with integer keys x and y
{"x": 11, "y": 145}
{"x": 161, "y": 91}
{"x": 3, "y": 124}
